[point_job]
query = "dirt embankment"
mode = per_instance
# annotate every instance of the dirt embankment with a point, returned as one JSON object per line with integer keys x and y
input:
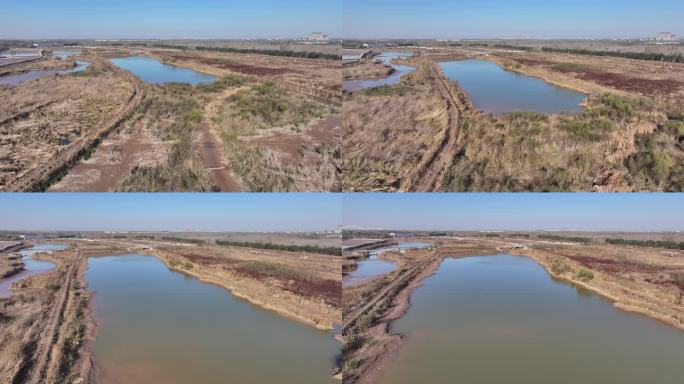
{"x": 52, "y": 122}
{"x": 639, "y": 280}
{"x": 46, "y": 320}
{"x": 313, "y": 300}
{"x": 366, "y": 70}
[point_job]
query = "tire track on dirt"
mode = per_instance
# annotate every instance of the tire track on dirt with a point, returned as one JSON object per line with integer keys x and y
{"x": 351, "y": 319}
{"x": 432, "y": 169}
{"x": 50, "y": 332}
{"x": 40, "y": 178}
{"x": 210, "y": 147}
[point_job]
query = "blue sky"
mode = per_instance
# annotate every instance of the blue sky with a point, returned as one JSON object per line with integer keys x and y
{"x": 175, "y": 211}
{"x": 516, "y": 211}
{"x": 511, "y": 18}
{"x": 168, "y": 18}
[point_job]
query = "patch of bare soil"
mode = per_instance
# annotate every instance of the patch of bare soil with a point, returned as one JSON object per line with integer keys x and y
{"x": 299, "y": 149}
{"x": 112, "y": 161}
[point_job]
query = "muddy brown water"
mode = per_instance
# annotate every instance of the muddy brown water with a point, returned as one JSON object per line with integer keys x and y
{"x": 503, "y": 319}
{"x": 160, "y": 326}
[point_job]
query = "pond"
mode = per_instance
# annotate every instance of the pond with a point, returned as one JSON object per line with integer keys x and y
{"x": 155, "y": 72}
{"x": 492, "y": 89}
{"x": 496, "y": 319}
{"x": 373, "y": 266}
{"x": 392, "y": 79}
{"x": 65, "y": 54}
{"x": 160, "y": 326}
{"x": 15, "y": 80}
{"x": 31, "y": 266}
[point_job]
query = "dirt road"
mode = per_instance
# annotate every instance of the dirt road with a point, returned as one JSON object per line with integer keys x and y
{"x": 432, "y": 169}
{"x": 40, "y": 178}
{"x": 50, "y": 333}
{"x": 354, "y": 315}
{"x": 210, "y": 148}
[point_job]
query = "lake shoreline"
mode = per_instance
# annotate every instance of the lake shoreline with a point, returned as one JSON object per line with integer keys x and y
{"x": 639, "y": 306}
{"x": 248, "y": 290}
{"x": 389, "y": 342}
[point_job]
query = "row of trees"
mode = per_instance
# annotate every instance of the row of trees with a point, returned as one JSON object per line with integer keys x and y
{"x": 275, "y": 52}
{"x": 335, "y": 251}
{"x": 576, "y": 239}
{"x": 670, "y": 244}
{"x": 184, "y": 240}
{"x": 673, "y": 58}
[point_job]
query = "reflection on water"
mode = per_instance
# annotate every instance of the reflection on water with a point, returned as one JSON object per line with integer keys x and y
{"x": 493, "y": 89}
{"x": 159, "y": 326}
{"x": 502, "y": 319}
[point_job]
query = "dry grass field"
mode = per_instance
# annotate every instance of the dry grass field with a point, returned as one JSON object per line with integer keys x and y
{"x": 629, "y": 137}
{"x": 270, "y": 123}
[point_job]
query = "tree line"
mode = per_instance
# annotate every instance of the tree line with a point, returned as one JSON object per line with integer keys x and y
{"x": 673, "y": 58}
{"x": 184, "y": 240}
{"x": 335, "y": 251}
{"x": 275, "y": 52}
{"x": 576, "y": 239}
{"x": 669, "y": 244}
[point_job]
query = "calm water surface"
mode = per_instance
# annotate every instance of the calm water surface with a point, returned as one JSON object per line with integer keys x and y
{"x": 373, "y": 266}
{"x": 65, "y": 54}
{"x": 14, "y": 80}
{"x": 394, "y": 78}
{"x": 160, "y": 326}
{"x": 155, "y": 72}
{"x": 503, "y": 319}
{"x": 493, "y": 89}
{"x": 31, "y": 266}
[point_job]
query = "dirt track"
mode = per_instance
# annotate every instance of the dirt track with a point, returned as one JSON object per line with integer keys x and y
{"x": 40, "y": 177}
{"x": 50, "y": 332}
{"x": 351, "y": 318}
{"x": 432, "y": 168}
{"x": 210, "y": 147}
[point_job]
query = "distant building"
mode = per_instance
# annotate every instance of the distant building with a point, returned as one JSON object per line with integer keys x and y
{"x": 317, "y": 36}
{"x": 666, "y": 36}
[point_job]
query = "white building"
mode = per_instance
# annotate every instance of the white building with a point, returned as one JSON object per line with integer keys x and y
{"x": 317, "y": 36}
{"x": 666, "y": 36}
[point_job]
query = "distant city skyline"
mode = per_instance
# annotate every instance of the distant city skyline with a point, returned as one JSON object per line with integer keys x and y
{"x": 230, "y": 212}
{"x": 638, "y": 212}
{"x": 168, "y": 19}
{"x": 519, "y": 19}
